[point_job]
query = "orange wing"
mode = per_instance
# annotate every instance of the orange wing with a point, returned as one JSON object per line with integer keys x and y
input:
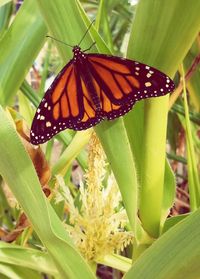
{"x": 66, "y": 104}
{"x": 121, "y": 82}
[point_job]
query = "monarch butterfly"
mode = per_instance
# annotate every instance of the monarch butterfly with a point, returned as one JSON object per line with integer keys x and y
{"x": 94, "y": 87}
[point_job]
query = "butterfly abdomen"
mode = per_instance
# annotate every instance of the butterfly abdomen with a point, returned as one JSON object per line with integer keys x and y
{"x": 88, "y": 87}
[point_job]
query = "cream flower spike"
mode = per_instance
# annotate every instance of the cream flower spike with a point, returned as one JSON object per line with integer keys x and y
{"x": 98, "y": 228}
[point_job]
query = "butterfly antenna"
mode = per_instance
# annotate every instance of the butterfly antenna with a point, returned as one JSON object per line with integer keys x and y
{"x": 89, "y": 47}
{"x": 86, "y": 32}
{"x": 59, "y": 41}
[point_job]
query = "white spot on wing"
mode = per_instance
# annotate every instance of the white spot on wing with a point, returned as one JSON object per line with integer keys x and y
{"x": 148, "y": 84}
{"x": 48, "y": 124}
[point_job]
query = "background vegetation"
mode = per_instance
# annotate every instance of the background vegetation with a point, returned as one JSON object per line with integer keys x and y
{"x": 64, "y": 216}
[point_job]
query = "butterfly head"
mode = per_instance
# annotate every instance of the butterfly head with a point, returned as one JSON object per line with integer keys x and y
{"x": 76, "y": 50}
{"x": 78, "y": 54}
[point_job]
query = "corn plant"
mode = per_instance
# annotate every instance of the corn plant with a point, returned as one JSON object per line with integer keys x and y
{"x": 127, "y": 212}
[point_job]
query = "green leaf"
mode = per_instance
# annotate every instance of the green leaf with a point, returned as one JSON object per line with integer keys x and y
{"x": 25, "y": 257}
{"x": 193, "y": 84}
{"x": 18, "y": 272}
{"x": 162, "y": 33}
{"x": 62, "y": 18}
{"x": 116, "y": 261}
{"x": 170, "y": 222}
{"x": 5, "y": 16}
{"x": 18, "y": 172}
{"x": 3, "y": 2}
{"x": 25, "y": 109}
{"x": 18, "y": 49}
{"x": 193, "y": 174}
{"x": 169, "y": 192}
{"x": 194, "y": 116}
{"x": 174, "y": 255}
{"x": 71, "y": 152}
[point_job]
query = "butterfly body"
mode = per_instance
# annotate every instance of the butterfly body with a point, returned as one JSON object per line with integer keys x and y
{"x": 94, "y": 87}
{"x": 81, "y": 65}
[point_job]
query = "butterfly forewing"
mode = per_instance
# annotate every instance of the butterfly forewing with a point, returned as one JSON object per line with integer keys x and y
{"x": 93, "y": 87}
{"x": 66, "y": 104}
